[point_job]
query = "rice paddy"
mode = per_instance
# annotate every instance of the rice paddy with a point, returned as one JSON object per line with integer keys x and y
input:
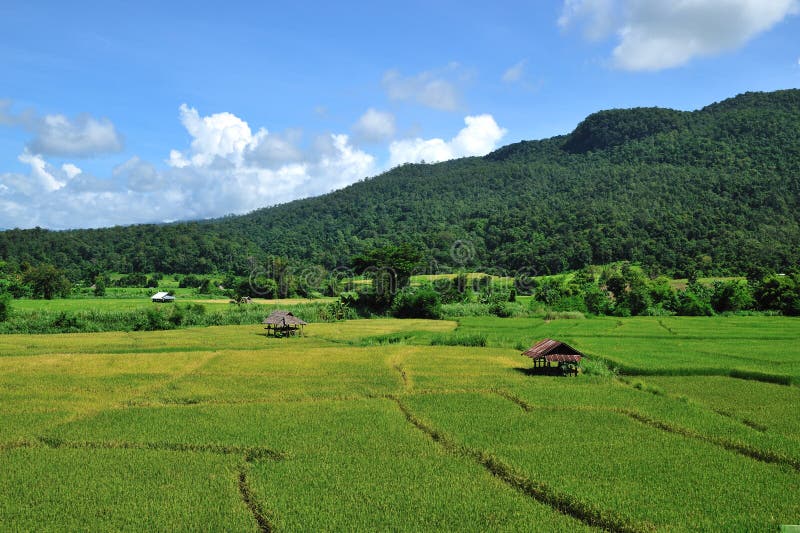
{"x": 381, "y": 425}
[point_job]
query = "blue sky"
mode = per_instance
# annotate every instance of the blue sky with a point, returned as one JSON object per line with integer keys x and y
{"x": 120, "y": 113}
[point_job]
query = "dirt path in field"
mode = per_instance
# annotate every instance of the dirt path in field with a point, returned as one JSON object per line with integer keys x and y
{"x": 563, "y": 503}
{"x": 250, "y": 454}
{"x": 246, "y": 492}
{"x": 745, "y": 450}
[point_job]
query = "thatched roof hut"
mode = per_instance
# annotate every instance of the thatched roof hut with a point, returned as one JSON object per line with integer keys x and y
{"x": 549, "y": 351}
{"x": 283, "y": 323}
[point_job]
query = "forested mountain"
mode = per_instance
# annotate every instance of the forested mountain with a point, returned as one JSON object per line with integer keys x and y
{"x": 715, "y": 190}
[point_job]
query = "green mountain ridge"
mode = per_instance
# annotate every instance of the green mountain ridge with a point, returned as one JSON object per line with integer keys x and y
{"x": 714, "y": 190}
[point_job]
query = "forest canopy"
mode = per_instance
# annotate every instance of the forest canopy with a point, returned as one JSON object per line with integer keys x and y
{"x": 713, "y": 191}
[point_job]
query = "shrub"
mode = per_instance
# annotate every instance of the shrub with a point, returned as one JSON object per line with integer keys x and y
{"x": 5, "y": 306}
{"x": 382, "y": 340}
{"x": 550, "y": 290}
{"x": 574, "y": 302}
{"x": 419, "y": 302}
{"x": 190, "y": 282}
{"x": 132, "y": 280}
{"x": 456, "y": 339}
{"x": 99, "y": 287}
{"x": 596, "y": 367}
{"x": 692, "y": 304}
{"x": 205, "y": 287}
{"x": 597, "y": 301}
{"x": 46, "y": 281}
{"x": 658, "y": 310}
{"x": 499, "y": 309}
{"x": 564, "y": 315}
{"x": 780, "y": 293}
{"x": 465, "y": 309}
{"x": 645, "y": 387}
{"x": 151, "y": 320}
{"x": 731, "y": 296}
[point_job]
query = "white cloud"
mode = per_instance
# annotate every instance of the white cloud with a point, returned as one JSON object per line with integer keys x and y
{"x": 177, "y": 159}
{"x": 429, "y": 88}
{"x": 219, "y": 135}
{"x": 274, "y": 150}
{"x": 479, "y": 137}
{"x": 655, "y": 35}
{"x": 515, "y": 72}
{"x": 226, "y": 167}
{"x": 340, "y": 164}
{"x": 82, "y": 137}
{"x": 375, "y": 126}
{"x": 43, "y": 177}
{"x": 70, "y": 170}
{"x": 597, "y": 17}
{"x": 138, "y": 175}
{"x": 57, "y": 135}
{"x": 229, "y": 169}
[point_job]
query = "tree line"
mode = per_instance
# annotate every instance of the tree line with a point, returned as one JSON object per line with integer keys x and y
{"x": 713, "y": 191}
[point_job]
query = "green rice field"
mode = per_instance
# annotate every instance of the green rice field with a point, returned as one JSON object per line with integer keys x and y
{"x": 140, "y": 302}
{"x": 383, "y": 425}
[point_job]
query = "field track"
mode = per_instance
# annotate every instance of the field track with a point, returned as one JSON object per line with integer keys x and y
{"x": 364, "y": 425}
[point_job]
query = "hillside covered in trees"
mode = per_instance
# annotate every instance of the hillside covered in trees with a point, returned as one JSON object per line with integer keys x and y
{"x": 714, "y": 191}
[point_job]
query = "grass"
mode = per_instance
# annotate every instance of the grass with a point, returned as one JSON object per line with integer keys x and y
{"x": 143, "y": 302}
{"x": 118, "y": 490}
{"x": 455, "y": 339}
{"x": 765, "y": 406}
{"x": 403, "y": 425}
{"x": 614, "y": 466}
{"x": 73, "y": 316}
{"x": 761, "y": 348}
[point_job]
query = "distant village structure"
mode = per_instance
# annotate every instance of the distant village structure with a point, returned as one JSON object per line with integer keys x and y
{"x": 162, "y": 297}
{"x": 548, "y": 351}
{"x": 283, "y": 324}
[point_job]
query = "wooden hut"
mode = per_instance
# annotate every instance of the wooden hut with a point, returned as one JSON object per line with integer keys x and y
{"x": 548, "y": 351}
{"x": 283, "y": 324}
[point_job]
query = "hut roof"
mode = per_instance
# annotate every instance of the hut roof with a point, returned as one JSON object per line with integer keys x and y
{"x": 162, "y": 296}
{"x": 283, "y": 318}
{"x": 552, "y": 350}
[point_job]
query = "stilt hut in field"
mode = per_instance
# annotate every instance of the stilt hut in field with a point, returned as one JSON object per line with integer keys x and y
{"x": 548, "y": 351}
{"x": 283, "y": 324}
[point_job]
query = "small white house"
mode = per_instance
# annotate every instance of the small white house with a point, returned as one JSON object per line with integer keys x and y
{"x": 162, "y": 297}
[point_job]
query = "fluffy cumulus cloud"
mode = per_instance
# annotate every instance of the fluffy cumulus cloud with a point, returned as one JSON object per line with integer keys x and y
{"x": 480, "y": 136}
{"x": 434, "y": 89}
{"x": 58, "y": 135}
{"x": 138, "y": 176}
{"x": 219, "y": 135}
{"x": 239, "y": 170}
{"x": 655, "y": 35}
{"x": 226, "y": 167}
{"x": 83, "y": 136}
{"x": 275, "y": 150}
{"x": 375, "y": 126}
